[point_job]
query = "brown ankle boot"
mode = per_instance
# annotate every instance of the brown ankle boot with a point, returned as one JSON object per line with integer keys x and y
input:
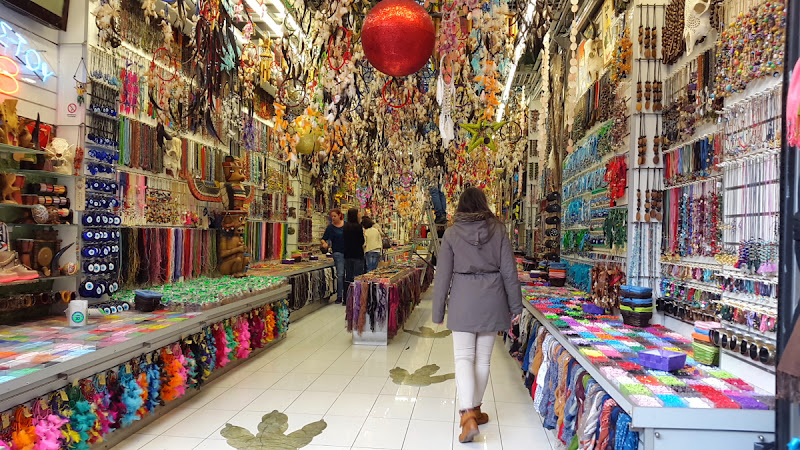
{"x": 469, "y": 426}
{"x": 480, "y": 417}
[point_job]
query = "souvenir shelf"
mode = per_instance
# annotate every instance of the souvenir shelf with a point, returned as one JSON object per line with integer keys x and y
{"x": 109, "y": 349}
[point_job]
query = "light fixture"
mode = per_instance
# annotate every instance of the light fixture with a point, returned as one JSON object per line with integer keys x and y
{"x": 260, "y": 10}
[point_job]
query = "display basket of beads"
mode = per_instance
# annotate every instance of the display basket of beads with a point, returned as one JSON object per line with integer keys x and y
{"x": 636, "y": 292}
{"x": 661, "y": 359}
{"x": 636, "y": 319}
{"x": 705, "y": 353}
{"x": 146, "y": 301}
{"x": 558, "y": 274}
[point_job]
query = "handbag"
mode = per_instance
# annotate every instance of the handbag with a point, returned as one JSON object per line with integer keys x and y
{"x": 387, "y": 243}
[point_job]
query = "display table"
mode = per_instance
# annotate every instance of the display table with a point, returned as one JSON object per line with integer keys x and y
{"x": 380, "y": 302}
{"x": 46, "y": 360}
{"x": 695, "y": 407}
{"x": 313, "y": 283}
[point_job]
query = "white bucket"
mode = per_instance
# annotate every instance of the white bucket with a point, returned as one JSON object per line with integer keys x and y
{"x": 77, "y": 312}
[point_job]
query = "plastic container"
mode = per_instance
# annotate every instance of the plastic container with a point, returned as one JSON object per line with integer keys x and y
{"x": 636, "y": 292}
{"x": 661, "y": 359}
{"x": 591, "y": 308}
{"x": 146, "y": 301}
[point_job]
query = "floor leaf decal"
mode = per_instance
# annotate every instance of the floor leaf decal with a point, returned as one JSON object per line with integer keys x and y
{"x": 271, "y": 434}
{"x": 420, "y": 377}
{"x": 429, "y": 333}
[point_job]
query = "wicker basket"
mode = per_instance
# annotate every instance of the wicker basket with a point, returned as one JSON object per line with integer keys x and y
{"x": 634, "y": 319}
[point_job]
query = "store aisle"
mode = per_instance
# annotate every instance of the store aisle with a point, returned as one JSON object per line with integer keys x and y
{"x": 316, "y": 373}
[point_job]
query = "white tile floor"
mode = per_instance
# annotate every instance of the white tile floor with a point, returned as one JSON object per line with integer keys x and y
{"x": 316, "y": 373}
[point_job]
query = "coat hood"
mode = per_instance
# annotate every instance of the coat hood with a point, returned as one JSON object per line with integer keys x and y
{"x": 476, "y": 233}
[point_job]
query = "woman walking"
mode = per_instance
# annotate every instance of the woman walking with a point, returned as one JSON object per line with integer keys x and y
{"x": 353, "y": 248}
{"x": 476, "y": 268}
{"x": 373, "y": 243}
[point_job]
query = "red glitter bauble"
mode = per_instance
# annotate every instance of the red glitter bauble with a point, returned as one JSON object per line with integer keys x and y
{"x": 398, "y": 37}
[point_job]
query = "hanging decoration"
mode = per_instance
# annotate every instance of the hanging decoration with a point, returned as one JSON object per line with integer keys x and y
{"x": 398, "y": 37}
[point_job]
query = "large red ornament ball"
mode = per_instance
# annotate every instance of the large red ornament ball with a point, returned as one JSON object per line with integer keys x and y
{"x": 398, "y": 37}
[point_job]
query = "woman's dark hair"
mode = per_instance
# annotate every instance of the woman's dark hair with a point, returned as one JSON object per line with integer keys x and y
{"x": 367, "y": 222}
{"x": 473, "y": 200}
{"x": 352, "y": 215}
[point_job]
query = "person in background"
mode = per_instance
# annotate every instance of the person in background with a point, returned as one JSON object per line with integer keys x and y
{"x": 353, "y": 248}
{"x": 373, "y": 243}
{"x": 439, "y": 205}
{"x": 477, "y": 269}
{"x": 333, "y": 240}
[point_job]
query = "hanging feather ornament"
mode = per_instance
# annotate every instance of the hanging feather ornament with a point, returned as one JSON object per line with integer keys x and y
{"x": 243, "y": 328}
{"x": 212, "y": 348}
{"x": 230, "y": 339}
{"x": 173, "y": 375}
{"x": 131, "y": 396}
{"x": 270, "y": 325}
{"x": 190, "y": 364}
{"x": 24, "y": 435}
{"x": 82, "y": 419}
{"x": 222, "y": 345}
{"x": 48, "y": 429}
{"x": 257, "y": 331}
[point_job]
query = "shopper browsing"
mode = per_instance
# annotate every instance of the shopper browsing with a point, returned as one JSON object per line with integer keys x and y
{"x": 333, "y": 240}
{"x": 353, "y": 248}
{"x": 373, "y": 243}
{"x": 476, "y": 268}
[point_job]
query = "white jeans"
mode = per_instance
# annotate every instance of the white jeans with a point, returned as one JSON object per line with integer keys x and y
{"x": 473, "y": 352}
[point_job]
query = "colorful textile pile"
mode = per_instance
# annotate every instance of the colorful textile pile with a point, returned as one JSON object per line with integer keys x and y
{"x": 88, "y": 411}
{"x": 383, "y": 296}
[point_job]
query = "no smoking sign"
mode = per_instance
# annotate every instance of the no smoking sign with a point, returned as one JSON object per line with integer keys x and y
{"x": 72, "y": 108}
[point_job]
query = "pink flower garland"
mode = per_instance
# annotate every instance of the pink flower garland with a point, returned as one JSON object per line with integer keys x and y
{"x": 48, "y": 430}
{"x": 222, "y": 346}
{"x": 243, "y": 337}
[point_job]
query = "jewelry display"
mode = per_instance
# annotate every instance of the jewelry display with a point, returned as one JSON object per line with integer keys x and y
{"x": 761, "y": 57}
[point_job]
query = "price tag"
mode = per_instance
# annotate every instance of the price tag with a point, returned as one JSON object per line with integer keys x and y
{"x": 6, "y": 421}
{"x": 102, "y": 379}
{"x": 169, "y": 350}
{"x": 128, "y": 367}
{"x": 26, "y": 413}
{"x": 75, "y": 383}
{"x": 63, "y": 395}
{"x": 149, "y": 358}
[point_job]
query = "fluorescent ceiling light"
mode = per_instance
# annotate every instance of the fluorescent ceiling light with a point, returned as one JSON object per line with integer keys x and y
{"x": 260, "y": 11}
{"x": 518, "y": 51}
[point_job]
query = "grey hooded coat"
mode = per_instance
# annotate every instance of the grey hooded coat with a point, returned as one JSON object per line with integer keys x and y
{"x": 476, "y": 267}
